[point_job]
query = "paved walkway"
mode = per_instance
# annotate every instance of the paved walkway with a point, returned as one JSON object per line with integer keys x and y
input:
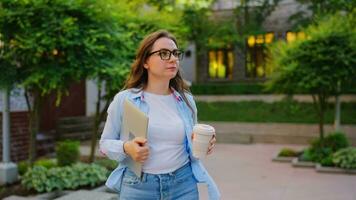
{"x": 246, "y": 172}
{"x": 266, "y": 98}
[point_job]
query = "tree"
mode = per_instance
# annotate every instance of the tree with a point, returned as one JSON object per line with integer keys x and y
{"x": 52, "y": 44}
{"x": 211, "y": 32}
{"x": 317, "y": 8}
{"x": 322, "y": 65}
{"x": 134, "y": 22}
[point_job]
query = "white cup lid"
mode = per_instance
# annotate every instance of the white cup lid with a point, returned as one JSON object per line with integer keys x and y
{"x": 204, "y": 129}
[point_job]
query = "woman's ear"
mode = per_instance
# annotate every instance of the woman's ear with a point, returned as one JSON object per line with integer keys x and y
{"x": 145, "y": 65}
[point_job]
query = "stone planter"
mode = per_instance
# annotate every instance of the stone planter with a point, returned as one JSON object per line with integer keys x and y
{"x": 334, "y": 170}
{"x": 283, "y": 159}
{"x": 305, "y": 164}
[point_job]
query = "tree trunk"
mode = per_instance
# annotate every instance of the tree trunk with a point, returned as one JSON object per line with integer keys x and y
{"x": 96, "y": 124}
{"x": 34, "y": 124}
{"x": 337, "y": 109}
{"x": 317, "y": 102}
{"x": 98, "y": 118}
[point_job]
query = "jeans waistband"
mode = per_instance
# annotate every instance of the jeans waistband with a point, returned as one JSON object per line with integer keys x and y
{"x": 174, "y": 173}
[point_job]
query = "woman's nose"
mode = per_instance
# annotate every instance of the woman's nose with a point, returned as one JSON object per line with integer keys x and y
{"x": 173, "y": 59}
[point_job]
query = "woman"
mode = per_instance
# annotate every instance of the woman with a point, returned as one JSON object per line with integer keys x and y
{"x": 156, "y": 87}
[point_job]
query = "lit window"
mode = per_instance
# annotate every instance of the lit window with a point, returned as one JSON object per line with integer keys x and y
{"x": 292, "y": 36}
{"x": 256, "y": 55}
{"x": 220, "y": 64}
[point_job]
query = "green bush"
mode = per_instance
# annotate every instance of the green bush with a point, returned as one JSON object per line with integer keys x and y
{"x": 42, "y": 179}
{"x": 306, "y": 155}
{"x": 227, "y": 88}
{"x": 336, "y": 141}
{"x": 287, "y": 152}
{"x": 327, "y": 161}
{"x": 23, "y": 166}
{"x": 67, "y": 152}
{"x": 47, "y": 163}
{"x": 345, "y": 158}
{"x": 107, "y": 163}
{"x": 322, "y": 150}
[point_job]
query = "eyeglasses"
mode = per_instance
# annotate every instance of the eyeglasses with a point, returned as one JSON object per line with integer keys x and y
{"x": 165, "y": 54}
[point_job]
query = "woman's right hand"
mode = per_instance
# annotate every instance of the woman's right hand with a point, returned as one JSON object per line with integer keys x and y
{"x": 137, "y": 149}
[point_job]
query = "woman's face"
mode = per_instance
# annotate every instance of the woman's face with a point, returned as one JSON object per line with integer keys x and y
{"x": 158, "y": 68}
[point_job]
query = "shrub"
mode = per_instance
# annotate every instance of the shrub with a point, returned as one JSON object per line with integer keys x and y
{"x": 107, "y": 163}
{"x": 321, "y": 150}
{"x": 47, "y": 163}
{"x": 287, "y": 152}
{"x": 23, "y": 166}
{"x": 227, "y": 88}
{"x": 67, "y": 152}
{"x": 327, "y": 161}
{"x": 42, "y": 179}
{"x": 336, "y": 141}
{"x": 306, "y": 155}
{"x": 345, "y": 158}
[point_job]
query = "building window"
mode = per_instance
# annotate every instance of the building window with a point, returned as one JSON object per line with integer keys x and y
{"x": 257, "y": 54}
{"x": 292, "y": 36}
{"x": 221, "y": 63}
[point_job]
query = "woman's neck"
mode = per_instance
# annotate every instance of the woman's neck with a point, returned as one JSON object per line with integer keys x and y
{"x": 158, "y": 87}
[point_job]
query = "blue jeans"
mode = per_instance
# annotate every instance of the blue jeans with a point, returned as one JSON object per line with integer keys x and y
{"x": 177, "y": 185}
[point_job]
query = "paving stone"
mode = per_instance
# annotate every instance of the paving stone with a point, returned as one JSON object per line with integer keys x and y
{"x": 89, "y": 195}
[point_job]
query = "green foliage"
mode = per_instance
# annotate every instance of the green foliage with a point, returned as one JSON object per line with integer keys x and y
{"x": 321, "y": 150}
{"x": 306, "y": 155}
{"x": 208, "y": 31}
{"x": 319, "y": 8}
{"x": 327, "y": 161}
{"x": 23, "y": 166}
{"x": 227, "y": 89}
{"x": 334, "y": 141}
{"x": 345, "y": 158}
{"x": 282, "y": 112}
{"x": 57, "y": 42}
{"x": 107, "y": 163}
{"x": 307, "y": 65}
{"x": 47, "y": 163}
{"x": 42, "y": 179}
{"x": 288, "y": 152}
{"x": 67, "y": 152}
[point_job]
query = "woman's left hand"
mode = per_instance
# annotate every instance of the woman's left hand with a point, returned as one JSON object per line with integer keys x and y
{"x": 211, "y": 144}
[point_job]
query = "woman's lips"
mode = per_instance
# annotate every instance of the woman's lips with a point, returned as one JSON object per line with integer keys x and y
{"x": 172, "y": 68}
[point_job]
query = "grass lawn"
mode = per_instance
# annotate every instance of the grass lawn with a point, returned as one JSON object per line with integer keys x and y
{"x": 283, "y": 111}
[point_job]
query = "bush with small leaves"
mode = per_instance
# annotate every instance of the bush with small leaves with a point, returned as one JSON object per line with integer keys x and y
{"x": 345, "y": 158}
{"x": 42, "y": 179}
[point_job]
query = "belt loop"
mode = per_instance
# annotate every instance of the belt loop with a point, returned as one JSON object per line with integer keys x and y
{"x": 144, "y": 177}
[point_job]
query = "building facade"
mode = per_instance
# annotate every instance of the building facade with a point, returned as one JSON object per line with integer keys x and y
{"x": 249, "y": 64}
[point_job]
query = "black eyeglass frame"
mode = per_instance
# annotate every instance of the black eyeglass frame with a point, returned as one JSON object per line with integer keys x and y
{"x": 179, "y": 56}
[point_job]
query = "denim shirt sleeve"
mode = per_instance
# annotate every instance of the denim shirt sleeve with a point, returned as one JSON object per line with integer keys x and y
{"x": 194, "y": 106}
{"x": 110, "y": 143}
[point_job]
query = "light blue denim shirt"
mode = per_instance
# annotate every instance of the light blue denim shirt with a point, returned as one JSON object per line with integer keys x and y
{"x": 112, "y": 146}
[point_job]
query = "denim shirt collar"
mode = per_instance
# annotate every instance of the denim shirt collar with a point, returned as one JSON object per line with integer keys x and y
{"x": 139, "y": 93}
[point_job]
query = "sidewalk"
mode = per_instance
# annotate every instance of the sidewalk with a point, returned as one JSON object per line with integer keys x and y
{"x": 246, "y": 172}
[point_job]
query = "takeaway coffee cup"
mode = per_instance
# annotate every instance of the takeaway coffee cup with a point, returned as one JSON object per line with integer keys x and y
{"x": 202, "y": 136}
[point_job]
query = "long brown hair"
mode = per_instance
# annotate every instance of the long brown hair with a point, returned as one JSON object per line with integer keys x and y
{"x": 139, "y": 76}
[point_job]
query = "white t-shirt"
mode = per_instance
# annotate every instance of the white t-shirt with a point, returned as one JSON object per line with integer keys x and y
{"x": 166, "y": 135}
